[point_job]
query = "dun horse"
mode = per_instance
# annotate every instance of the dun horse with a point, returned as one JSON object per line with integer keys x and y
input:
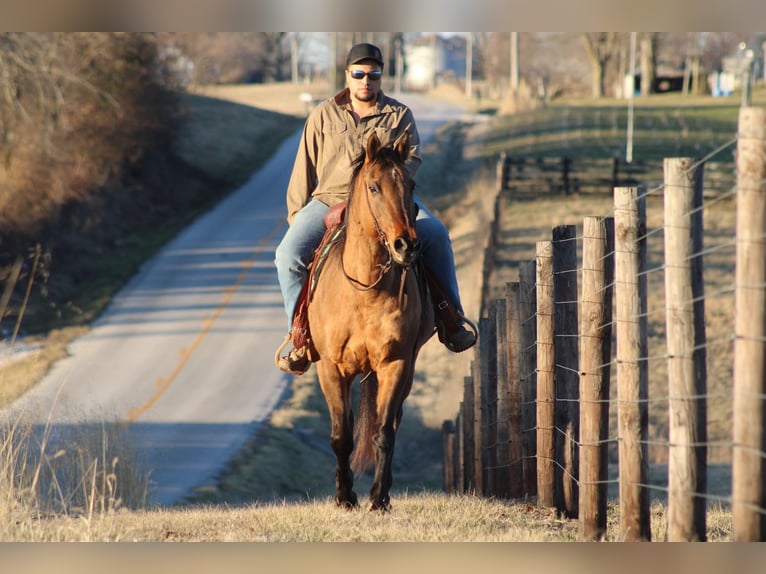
{"x": 369, "y": 316}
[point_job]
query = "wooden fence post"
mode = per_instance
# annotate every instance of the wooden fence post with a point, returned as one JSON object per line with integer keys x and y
{"x": 685, "y": 328}
{"x": 567, "y": 412}
{"x": 595, "y": 360}
{"x": 460, "y": 450}
{"x": 515, "y": 451}
{"x": 502, "y": 172}
{"x": 10, "y": 284}
{"x": 527, "y": 372}
{"x": 615, "y": 172}
{"x": 566, "y": 170}
{"x": 546, "y": 395}
{"x": 489, "y": 398}
{"x": 502, "y": 453}
{"x": 632, "y": 361}
{"x": 469, "y": 440}
{"x": 749, "y": 478}
{"x": 448, "y": 447}
{"x": 478, "y": 409}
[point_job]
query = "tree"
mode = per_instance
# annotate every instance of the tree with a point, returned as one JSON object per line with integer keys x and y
{"x": 275, "y": 60}
{"x": 648, "y": 62}
{"x": 600, "y": 48}
{"x": 76, "y": 110}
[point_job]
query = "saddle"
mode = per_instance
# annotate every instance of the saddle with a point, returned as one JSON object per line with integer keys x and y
{"x": 300, "y": 334}
{"x": 334, "y": 226}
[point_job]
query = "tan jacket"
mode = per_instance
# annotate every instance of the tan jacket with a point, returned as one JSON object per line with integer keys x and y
{"x": 331, "y": 142}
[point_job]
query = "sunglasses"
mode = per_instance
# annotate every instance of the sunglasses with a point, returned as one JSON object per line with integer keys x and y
{"x": 360, "y": 74}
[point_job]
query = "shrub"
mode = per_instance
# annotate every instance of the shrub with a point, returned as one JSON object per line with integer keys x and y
{"x": 88, "y": 120}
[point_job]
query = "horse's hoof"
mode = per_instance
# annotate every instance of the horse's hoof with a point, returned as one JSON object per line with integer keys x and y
{"x": 347, "y": 502}
{"x": 380, "y": 507}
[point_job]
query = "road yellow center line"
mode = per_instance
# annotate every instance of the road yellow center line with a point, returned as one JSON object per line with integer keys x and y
{"x": 163, "y": 383}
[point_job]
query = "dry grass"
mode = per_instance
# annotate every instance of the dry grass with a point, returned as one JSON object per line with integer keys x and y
{"x": 18, "y": 375}
{"x": 420, "y": 517}
{"x": 65, "y": 482}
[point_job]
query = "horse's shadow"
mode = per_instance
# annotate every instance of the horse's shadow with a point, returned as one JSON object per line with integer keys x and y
{"x": 290, "y": 458}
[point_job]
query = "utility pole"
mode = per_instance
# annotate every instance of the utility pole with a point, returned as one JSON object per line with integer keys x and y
{"x": 468, "y": 64}
{"x": 294, "y": 56}
{"x": 332, "y": 69}
{"x": 763, "y": 48}
{"x": 434, "y": 48}
{"x": 632, "y": 85}
{"x": 398, "y": 52}
{"x": 514, "y": 61}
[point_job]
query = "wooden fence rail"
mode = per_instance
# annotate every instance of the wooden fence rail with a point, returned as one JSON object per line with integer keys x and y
{"x": 534, "y": 417}
{"x": 566, "y": 175}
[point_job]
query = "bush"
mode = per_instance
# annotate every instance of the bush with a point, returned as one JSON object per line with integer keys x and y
{"x": 88, "y": 121}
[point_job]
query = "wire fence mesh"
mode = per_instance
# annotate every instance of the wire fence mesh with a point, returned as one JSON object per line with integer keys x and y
{"x": 686, "y": 411}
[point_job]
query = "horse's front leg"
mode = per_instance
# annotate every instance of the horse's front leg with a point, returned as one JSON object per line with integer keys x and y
{"x": 337, "y": 393}
{"x": 393, "y": 386}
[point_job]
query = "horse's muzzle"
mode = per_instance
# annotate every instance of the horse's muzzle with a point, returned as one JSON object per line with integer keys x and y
{"x": 405, "y": 250}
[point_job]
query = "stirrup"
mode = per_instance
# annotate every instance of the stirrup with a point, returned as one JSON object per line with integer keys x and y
{"x": 471, "y": 324}
{"x": 278, "y": 354}
{"x": 288, "y": 364}
{"x": 445, "y": 338}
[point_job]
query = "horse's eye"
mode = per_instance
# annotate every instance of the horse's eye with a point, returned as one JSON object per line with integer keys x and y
{"x": 373, "y": 187}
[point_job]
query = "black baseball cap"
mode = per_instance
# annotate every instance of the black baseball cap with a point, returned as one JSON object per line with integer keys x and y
{"x": 364, "y": 52}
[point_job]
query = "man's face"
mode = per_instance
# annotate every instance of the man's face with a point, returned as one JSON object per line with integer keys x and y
{"x": 363, "y": 80}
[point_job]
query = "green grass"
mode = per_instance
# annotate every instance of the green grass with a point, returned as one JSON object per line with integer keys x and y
{"x": 601, "y": 132}
{"x": 228, "y": 141}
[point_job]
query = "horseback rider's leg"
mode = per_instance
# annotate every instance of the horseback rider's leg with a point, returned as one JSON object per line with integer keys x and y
{"x": 440, "y": 260}
{"x": 293, "y": 255}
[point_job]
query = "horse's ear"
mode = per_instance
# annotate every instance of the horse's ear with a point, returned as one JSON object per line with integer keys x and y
{"x": 373, "y": 146}
{"x": 402, "y": 145}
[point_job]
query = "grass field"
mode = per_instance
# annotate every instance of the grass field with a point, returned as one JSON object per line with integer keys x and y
{"x": 278, "y": 489}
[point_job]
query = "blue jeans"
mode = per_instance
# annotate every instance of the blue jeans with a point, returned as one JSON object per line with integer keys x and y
{"x": 296, "y": 250}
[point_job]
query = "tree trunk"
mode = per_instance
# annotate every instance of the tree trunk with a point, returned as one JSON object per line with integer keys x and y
{"x": 597, "y": 80}
{"x": 648, "y": 63}
{"x": 600, "y": 48}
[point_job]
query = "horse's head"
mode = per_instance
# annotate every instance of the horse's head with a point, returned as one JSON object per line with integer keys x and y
{"x": 388, "y": 188}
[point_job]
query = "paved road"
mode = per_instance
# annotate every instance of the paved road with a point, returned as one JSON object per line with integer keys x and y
{"x": 184, "y": 353}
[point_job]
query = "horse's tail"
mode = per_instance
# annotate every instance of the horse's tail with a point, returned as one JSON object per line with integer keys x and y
{"x": 366, "y": 424}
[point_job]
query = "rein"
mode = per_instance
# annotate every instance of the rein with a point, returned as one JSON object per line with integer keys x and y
{"x": 358, "y": 285}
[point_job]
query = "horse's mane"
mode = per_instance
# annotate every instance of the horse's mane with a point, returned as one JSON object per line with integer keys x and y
{"x": 385, "y": 155}
{"x": 356, "y": 164}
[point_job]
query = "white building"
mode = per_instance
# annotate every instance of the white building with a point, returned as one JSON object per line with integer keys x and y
{"x": 431, "y": 58}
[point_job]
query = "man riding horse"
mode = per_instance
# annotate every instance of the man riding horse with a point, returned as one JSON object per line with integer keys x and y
{"x": 335, "y": 133}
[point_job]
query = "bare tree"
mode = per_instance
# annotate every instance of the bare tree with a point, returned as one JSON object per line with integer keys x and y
{"x": 648, "y": 62}
{"x": 600, "y": 47}
{"x": 74, "y": 108}
{"x": 229, "y": 57}
{"x": 275, "y": 60}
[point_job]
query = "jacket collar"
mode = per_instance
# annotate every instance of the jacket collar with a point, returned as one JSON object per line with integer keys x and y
{"x": 343, "y": 99}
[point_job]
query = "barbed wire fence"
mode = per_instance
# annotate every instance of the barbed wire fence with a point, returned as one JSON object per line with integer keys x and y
{"x": 664, "y": 312}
